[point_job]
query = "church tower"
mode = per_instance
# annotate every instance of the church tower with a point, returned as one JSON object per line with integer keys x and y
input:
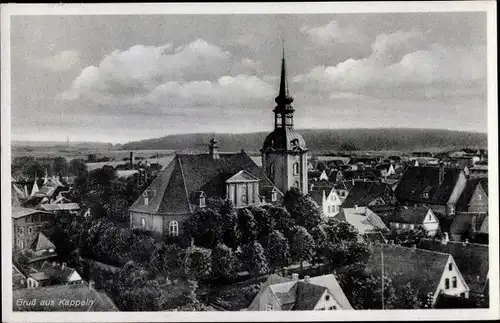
{"x": 284, "y": 154}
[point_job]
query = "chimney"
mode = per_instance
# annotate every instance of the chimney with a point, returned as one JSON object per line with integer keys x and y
{"x": 441, "y": 172}
{"x": 445, "y": 239}
{"x": 295, "y": 277}
{"x": 307, "y": 279}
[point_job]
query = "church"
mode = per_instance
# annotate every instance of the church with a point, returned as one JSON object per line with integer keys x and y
{"x": 190, "y": 179}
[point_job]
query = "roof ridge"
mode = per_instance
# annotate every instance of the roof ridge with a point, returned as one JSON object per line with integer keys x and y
{"x": 419, "y": 249}
{"x": 184, "y": 183}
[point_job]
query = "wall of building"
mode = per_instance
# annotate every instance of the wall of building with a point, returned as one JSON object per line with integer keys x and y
{"x": 26, "y": 229}
{"x": 327, "y": 303}
{"x": 279, "y": 162}
{"x": 479, "y": 201}
{"x": 431, "y": 225}
{"x": 268, "y": 298}
{"x": 461, "y": 288}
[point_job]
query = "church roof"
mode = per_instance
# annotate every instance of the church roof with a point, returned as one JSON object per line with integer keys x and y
{"x": 187, "y": 174}
{"x": 285, "y": 138}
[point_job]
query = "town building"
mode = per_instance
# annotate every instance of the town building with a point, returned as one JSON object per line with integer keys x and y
{"x": 469, "y": 226}
{"x": 474, "y": 197}
{"x": 471, "y": 259}
{"x": 362, "y": 218}
{"x": 429, "y": 272}
{"x": 328, "y": 201}
{"x": 437, "y": 187}
{"x": 411, "y": 218}
{"x": 321, "y": 293}
{"x": 284, "y": 153}
{"x": 52, "y": 273}
{"x": 26, "y": 224}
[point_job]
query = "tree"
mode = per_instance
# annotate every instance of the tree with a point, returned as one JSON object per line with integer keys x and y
{"x": 303, "y": 209}
{"x": 247, "y": 227}
{"x": 77, "y": 166}
{"x": 301, "y": 245}
{"x": 197, "y": 263}
{"x": 192, "y": 302}
{"x": 60, "y": 166}
{"x": 223, "y": 262}
{"x": 229, "y": 220}
{"x": 254, "y": 259}
{"x": 205, "y": 226}
{"x": 277, "y": 250}
{"x": 265, "y": 222}
{"x": 282, "y": 219}
{"x": 346, "y": 146}
{"x": 167, "y": 260}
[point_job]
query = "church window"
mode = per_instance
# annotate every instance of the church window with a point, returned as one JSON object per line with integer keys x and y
{"x": 143, "y": 223}
{"x": 296, "y": 169}
{"x": 173, "y": 228}
{"x": 20, "y": 244}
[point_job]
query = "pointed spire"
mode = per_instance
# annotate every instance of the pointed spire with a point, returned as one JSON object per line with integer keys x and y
{"x": 283, "y": 96}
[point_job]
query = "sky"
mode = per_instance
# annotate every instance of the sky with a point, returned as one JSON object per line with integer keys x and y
{"x": 123, "y": 78}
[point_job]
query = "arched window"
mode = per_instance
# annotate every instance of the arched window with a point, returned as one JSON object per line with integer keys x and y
{"x": 143, "y": 223}
{"x": 447, "y": 283}
{"x": 173, "y": 228}
{"x": 450, "y": 266}
{"x": 296, "y": 169}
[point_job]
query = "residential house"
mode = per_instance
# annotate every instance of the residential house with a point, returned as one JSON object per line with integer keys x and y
{"x": 58, "y": 298}
{"x": 437, "y": 187}
{"x": 322, "y": 293}
{"x": 26, "y": 224}
{"x": 411, "y": 218}
{"x": 428, "y": 271}
{"x": 52, "y": 273}
{"x": 474, "y": 197}
{"x": 190, "y": 179}
{"x": 469, "y": 225}
{"x": 329, "y": 202}
{"x": 362, "y": 218}
{"x": 378, "y": 196}
{"x": 470, "y": 258}
{"x": 41, "y": 250}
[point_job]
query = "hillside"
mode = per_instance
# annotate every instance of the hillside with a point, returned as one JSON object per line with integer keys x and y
{"x": 327, "y": 140}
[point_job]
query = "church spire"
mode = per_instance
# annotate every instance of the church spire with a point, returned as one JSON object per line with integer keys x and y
{"x": 283, "y": 96}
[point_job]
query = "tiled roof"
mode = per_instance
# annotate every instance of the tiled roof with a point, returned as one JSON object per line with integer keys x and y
{"x": 102, "y": 303}
{"x": 469, "y": 189}
{"x": 416, "y": 179}
{"x": 331, "y": 283}
{"x": 362, "y": 218}
{"x": 308, "y": 295}
{"x": 193, "y": 173}
{"x": 422, "y": 268}
{"x": 412, "y": 215}
{"x": 271, "y": 280}
{"x": 317, "y": 196}
{"x": 57, "y": 273}
{"x": 362, "y": 193}
{"x": 471, "y": 259}
{"x": 19, "y": 212}
{"x": 41, "y": 242}
{"x": 462, "y": 223}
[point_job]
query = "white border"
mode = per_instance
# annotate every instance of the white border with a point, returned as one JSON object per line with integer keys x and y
{"x": 250, "y": 8}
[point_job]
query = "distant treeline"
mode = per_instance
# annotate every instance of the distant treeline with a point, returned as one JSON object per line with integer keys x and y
{"x": 324, "y": 140}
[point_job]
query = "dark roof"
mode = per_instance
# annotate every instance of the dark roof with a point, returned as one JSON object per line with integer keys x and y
{"x": 471, "y": 260}
{"x": 282, "y": 138}
{"x": 469, "y": 189}
{"x": 57, "y": 273}
{"x": 19, "y": 212}
{"x": 412, "y": 215}
{"x": 101, "y": 302}
{"x": 322, "y": 185}
{"x": 417, "y": 179}
{"x": 187, "y": 174}
{"x": 308, "y": 296}
{"x": 362, "y": 193}
{"x": 465, "y": 222}
{"x": 421, "y": 268}
{"x": 317, "y": 196}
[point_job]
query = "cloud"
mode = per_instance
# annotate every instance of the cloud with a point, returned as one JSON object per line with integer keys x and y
{"x": 332, "y": 32}
{"x": 402, "y": 64}
{"x": 61, "y": 61}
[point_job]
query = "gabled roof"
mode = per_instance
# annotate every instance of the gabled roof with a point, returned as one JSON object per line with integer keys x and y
{"x": 308, "y": 295}
{"x": 362, "y": 218}
{"x": 422, "y": 268}
{"x": 242, "y": 176}
{"x": 333, "y": 286}
{"x": 102, "y": 303}
{"x": 416, "y": 179}
{"x": 57, "y": 273}
{"x": 192, "y": 173}
{"x": 363, "y": 192}
{"x": 465, "y": 222}
{"x": 317, "y": 196}
{"x": 41, "y": 242}
{"x": 271, "y": 280}
{"x": 412, "y": 215}
{"x": 469, "y": 189}
{"x": 470, "y": 258}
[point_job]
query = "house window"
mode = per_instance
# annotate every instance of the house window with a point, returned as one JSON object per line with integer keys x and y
{"x": 274, "y": 196}
{"x": 173, "y": 228}
{"x": 430, "y": 217}
{"x": 20, "y": 230}
{"x": 202, "y": 201}
{"x": 335, "y": 208}
{"x": 452, "y": 209}
{"x": 297, "y": 184}
{"x": 30, "y": 230}
{"x": 450, "y": 266}
{"x": 446, "y": 283}
{"x": 332, "y": 307}
{"x": 327, "y": 297}
{"x": 143, "y": 223}
{"x": 296, "y": 169}
{"x": 269, "y": 307}
{"x": 454, "y": 282}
